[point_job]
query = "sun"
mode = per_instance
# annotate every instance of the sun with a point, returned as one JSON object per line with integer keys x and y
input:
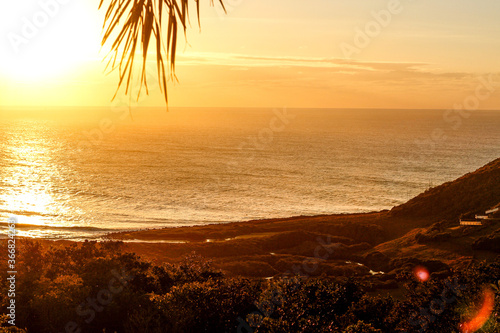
{"x": 46, "y": 39}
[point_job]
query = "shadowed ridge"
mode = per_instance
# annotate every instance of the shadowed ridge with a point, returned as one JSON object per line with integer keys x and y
{"x": 474, "y": 192}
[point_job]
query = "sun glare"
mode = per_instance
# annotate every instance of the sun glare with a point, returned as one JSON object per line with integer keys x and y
{"x": 46, "y": 39}
{"x": 25, "y": 196}
{"x": 29, "y": 176}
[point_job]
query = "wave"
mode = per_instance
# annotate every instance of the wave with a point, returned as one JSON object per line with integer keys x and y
{"x": 26, "y": 213}
{"x": 57, "y": 227}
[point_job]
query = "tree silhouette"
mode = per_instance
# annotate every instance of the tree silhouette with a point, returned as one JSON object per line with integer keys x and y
{"x": 130, "y": 26}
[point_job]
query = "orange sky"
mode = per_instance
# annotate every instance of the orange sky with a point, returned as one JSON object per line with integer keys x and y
{"x": 418, "y": 54}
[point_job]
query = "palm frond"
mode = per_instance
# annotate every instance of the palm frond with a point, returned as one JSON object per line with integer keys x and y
{"x": 130, "y": 24}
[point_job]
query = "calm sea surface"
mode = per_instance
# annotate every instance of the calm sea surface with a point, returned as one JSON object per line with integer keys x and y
{"x": 91, "y": 171}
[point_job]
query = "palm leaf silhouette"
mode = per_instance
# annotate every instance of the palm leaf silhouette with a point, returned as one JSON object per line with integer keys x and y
{"x": 132, "y": 24}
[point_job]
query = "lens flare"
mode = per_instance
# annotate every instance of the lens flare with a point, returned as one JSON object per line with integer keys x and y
{"x": 482, "y": 315}
{"x": 421, "y": 273}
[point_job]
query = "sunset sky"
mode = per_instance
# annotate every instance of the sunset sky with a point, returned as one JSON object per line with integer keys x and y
{"x": 265, "y": 53}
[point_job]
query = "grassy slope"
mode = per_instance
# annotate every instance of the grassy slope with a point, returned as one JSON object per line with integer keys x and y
{"x": 474, "y": 192}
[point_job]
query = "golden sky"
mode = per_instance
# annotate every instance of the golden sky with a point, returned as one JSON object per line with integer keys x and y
{"x": 293, "y": 53}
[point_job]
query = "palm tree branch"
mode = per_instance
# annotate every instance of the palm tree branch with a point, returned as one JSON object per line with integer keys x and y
{"x": 131, "y": 24}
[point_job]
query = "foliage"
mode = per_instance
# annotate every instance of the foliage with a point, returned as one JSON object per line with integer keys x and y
{"x": 132, "y": 24}
{"x": 57, "y": 283}
{"x": 210, "y": 306}
{"x": 361, "y": 327}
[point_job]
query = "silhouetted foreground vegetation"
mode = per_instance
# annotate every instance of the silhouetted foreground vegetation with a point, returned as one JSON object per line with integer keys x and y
{"x": 95, "y": 287}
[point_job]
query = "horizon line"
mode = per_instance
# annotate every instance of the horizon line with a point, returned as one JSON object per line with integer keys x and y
{"x": 6, "y": 107}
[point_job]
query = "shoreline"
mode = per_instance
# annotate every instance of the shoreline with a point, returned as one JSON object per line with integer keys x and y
{"x": 110, "y": 233}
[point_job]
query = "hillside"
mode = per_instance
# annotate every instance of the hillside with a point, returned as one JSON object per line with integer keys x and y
{"x": 472, "y": 193}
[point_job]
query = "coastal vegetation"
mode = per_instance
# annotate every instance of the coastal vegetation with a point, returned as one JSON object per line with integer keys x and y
{"x": 96, "y": 287}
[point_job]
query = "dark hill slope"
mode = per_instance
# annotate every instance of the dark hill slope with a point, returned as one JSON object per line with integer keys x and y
{"x": 474, "y": 192}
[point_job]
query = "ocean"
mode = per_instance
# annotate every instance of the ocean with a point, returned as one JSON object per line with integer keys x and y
{"x": 81, "y": 173}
